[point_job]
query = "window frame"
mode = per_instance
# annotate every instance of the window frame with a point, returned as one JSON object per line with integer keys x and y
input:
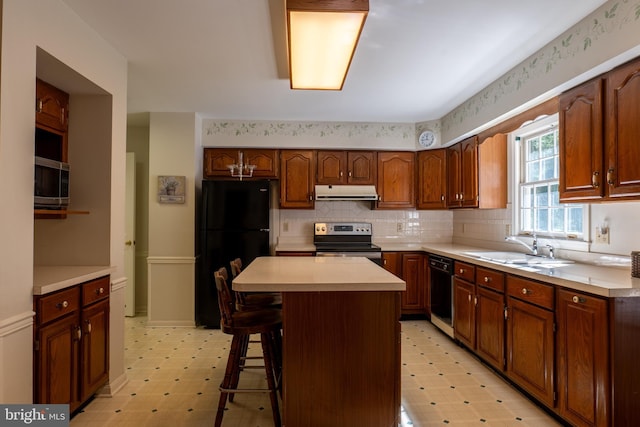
{"x": 557, "y": 239}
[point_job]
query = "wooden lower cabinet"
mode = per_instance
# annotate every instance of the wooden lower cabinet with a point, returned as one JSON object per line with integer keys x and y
{"x": 583, "y": 358}
{"x": 464, "y": 312}
{"x": 479, "y": 313}
{"x": 71, "y": 343}
{"x": 412, "y": 268}
{"x": 530, "y": 337}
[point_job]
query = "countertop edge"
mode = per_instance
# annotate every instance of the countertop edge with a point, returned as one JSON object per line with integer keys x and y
{"x": 47, "y": 279}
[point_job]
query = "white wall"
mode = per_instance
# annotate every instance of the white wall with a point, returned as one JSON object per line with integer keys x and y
{"x": 50, "y": 25}
{"x": 171, "y": 261}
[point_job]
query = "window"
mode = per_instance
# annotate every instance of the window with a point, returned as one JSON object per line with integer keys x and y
{"x": 539, "y": 208}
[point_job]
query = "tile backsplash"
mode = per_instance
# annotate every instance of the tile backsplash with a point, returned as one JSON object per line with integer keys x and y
{"x": 405, "y": 226}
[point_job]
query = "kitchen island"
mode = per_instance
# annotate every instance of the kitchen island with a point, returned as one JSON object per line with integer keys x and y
{"x": 341, "y": 338}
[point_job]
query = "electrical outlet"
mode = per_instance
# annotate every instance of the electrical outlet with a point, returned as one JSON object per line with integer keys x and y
{"x": 602, "y": 235}
{"x": 507, "y": 230}
{"x": 285, "y": 226}
{"x": 399, "y": 227}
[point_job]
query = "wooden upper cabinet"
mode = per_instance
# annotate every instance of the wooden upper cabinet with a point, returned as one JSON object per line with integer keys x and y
{"x": 52, "y": 106}
{"x": 432, "y": 179}
{"x": 462, "y": 172}
{"x": 297, "y": 178}
{"x": 622, "y": 127}
{"x": 492, "y": 172}
{"x": 396, "y": 179}
{"x": 597, "y": 164}
{"x": 581, "y": 143}
{"x": 216, "y": 161}
{"x": 345, "y": 167}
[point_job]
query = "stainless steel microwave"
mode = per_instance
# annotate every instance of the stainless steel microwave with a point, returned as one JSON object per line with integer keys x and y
{"x": 51, "y": 183}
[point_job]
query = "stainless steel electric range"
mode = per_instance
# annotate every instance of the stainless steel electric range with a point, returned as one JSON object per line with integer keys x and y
{"x": 346, "y": 239}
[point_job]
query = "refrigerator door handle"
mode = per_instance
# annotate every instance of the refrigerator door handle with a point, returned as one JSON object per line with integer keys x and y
{"x": 265, "y": 230}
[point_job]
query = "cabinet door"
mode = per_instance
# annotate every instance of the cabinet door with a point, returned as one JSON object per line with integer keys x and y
{"x": 52, "y": 106}
{"x": 490, "y": 326}
{"x": 530, "y": 352}
{"x": 396, "y": 180}
{"x": 464, "y": 312}
{"x": 432, "y": 179}
{"x": 581, "y": 143}
{"x": 216, "y": 161}
{"x": 413, "y": 274}
{"x": 454, "y": 167}
{"x": 331, "y": 166}
{"x": 583, "y": 358}
{"x": 361, "y": 167}
{"x": 297, "y": 174}
{"x": 56, "y": 362}
{"x": 492, "y": 172}
{"x": 94, "y": 365}
{"x": 622, "y": 128}
{"x": 391, "y": 261}
{"x": 469, "y": 171}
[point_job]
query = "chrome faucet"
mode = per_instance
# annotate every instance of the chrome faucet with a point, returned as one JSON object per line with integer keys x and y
{"x": 533, "y": 248}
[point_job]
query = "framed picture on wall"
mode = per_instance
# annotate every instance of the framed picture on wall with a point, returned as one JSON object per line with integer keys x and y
{"x": 171, "y": 188}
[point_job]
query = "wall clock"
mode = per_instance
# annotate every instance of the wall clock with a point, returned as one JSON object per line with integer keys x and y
{"x": 427, "y": 139}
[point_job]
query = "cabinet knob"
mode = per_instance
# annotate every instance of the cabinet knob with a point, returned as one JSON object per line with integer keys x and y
{"x": 442, "y": 197}
{"x": 461, "y": 271}
{"x": 79, "y": 333}
{"x": 63, "y": 304}
{"x": 350, "y": 174}
{"x": 525, "y": 291}
{"x": 100, "y": 291}
{"x": 595, "y": 179}
{"x": 128, "y": 243}
{"x": 88, "y": 326}
{"x": 487, "y": 279}
{"x": 340, "y": 174}
{"x": 578, "y": 300}
{"x": 469, "y": 297}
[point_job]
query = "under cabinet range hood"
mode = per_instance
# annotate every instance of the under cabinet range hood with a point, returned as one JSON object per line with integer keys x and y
{"x": 346, "y": 192}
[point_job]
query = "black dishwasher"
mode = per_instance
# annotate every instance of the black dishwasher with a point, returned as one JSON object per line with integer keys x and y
{"x": 440, "y": 277}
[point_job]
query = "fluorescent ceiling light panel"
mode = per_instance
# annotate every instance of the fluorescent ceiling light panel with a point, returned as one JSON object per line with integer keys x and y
{"x": 322, "y": 42}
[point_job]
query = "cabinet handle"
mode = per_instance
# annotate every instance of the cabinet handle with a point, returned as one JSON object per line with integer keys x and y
{"x": 526, "y": 291}
{"x": 469, "y": 297}
{"x": 310, "y": 197}
{"x": 475, "y": 300}
{"x": 442, "y": 197}
{"x": 487, "y": 279}
{"x": 63, "y": 304}
{"x": 88, "y": 326}
{"x": 79, "y": 333}
{"x": 610, "y": 176}
{"x": 340, "y": 174}
{"x": 578, "y": 300}
{"x": 38, "y": 105}
{"x": 350, "y": 174}
{"x": 595, "y": 180}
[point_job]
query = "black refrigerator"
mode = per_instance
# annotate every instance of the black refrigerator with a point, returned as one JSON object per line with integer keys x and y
{"x": 233, "y": 223}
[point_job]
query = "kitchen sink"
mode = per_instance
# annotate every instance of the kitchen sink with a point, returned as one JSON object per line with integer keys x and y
{"x": 519, "y": 259}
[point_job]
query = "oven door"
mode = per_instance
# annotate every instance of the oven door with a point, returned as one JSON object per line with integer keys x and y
{"x": 373, "y": 256}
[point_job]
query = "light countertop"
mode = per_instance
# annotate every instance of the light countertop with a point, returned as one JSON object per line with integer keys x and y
{"x": 315, "y": 274}
{"x": 47, "y": 279}
{"x": 606, "y": 281}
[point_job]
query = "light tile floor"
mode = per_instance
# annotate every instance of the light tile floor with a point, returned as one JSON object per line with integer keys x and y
{"x": 174, "y": 374}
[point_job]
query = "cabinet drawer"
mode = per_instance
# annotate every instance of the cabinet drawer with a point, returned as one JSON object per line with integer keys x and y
{"x": 464, "y": 271}
{"x": 490, "y": 279}
{"x": 530, "y": 291}
{"x": 53, "y": 306}
{"x": 95, "y": 290}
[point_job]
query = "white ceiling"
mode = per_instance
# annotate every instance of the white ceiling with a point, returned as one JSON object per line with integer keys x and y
{"x": 416, "y": 60}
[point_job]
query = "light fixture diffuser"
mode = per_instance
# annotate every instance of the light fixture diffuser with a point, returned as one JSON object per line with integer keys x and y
{"x": 322, "y": 37}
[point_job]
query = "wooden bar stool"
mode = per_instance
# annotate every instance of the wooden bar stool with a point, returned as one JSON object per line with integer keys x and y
{"x": 242, "y": 324}
{"x": 251, "y": 301}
